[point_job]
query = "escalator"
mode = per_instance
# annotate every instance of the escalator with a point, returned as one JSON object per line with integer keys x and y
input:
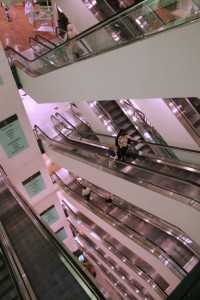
{"x": 172, "y": 250}
{"x": 162, "y": 175}
{"x": 123, "y": 29}
{"x": 136, "y": 263}
{"x": 62, "y": 55}
{"x": 187, "y": 110}
{"x": 80, "y": 127}
{"x": 50, "y": 269}
{"x": 116, "y": 114}
{"x": 7, "y": 287}
{"x": 170, "y": 165}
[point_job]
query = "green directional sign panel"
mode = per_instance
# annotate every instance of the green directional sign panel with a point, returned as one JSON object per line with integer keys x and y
{"x": 34, "y": 184}
{"x": 50, "y": 215}
{"x": 61, "y": 233}
{"x": 12, "y": 137}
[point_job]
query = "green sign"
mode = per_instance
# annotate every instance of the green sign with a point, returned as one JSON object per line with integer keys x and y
{"x": 50, "y": 215}
{"x": 12, "y": 137}
{"x": 61, "y": 233}
{"x": 34, "y": 184}
{"x": 1, "y": 80}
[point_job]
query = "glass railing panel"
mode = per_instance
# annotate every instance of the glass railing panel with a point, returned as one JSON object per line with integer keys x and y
{"x": 146, "y": 18}
{"x": 188, "y": 158}
{"x": 166, "y": 184}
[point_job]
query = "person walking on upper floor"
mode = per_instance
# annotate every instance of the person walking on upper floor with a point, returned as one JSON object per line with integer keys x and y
{"x": 29, "y": 11}
{"x": 6, "y": 8}
{"x": 123, "y": 141}
{"x": 86, "y": 192}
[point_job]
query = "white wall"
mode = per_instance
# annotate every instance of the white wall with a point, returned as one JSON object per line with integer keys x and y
{"x": 165, "y": 65}
{"x": 177, "y": 213}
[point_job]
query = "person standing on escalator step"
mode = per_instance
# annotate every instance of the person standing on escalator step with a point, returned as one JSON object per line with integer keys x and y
{"x": 109, "y": 199}
{"x": 86, "y": 192}
{"x": 123, "y": 141}
{"x": 116, "y": 142}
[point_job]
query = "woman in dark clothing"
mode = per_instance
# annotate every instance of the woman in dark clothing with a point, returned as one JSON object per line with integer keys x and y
{"x": 123, "y": 141}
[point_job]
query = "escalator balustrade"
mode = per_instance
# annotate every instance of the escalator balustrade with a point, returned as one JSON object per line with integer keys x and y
{"x": 182, "y": 181}
{"x": 130, "y": 25}
{"x": 137, "y": 264}
{"x": 123, "y": 122}
{"x": 190, "y": 108}
{"x": 49, "y": 268}
{"x": 176, "y": 251}
{"x": 7, "y": 288}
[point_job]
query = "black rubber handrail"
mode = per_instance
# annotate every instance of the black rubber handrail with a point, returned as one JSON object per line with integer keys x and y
{"x": 135, "y": 166}
{"x": 37, "y": 220}
{"x": 138, "y": 237}
{"x": 41, "y": 44}
{"x": 37, "y": 36}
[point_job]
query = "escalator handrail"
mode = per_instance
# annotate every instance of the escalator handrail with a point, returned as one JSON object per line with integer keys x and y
{"x": 102, "y": 24}
{"x": 141, "y": 142}
{"x": 125, "y": 163}
{"x": 58, "y": 114}
{"x": 136, "y": 180}
{"x": 50, "y": 236}
{"x": 195, "y": 252}
{"x": 185, "y": 118}
{"x": 20, "y": 279}
{"x": 82, "y": 34}
{"x": 37, "y": 36}
{"x": 73, "y": 129}
{"x": 40, "y": 43}
{"x": 138, "y": 237}
{"x": 163, "y": 225}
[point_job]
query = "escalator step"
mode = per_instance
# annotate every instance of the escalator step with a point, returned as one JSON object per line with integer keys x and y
{"x": 6, "y": 287}
{"x": 10, "y": 295}
{"x": 4, "y": 274}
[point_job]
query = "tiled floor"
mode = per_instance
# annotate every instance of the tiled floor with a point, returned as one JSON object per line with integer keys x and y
{"x": 16, "y": 33}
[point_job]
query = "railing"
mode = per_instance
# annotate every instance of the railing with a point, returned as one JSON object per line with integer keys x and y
{"x": 155, "y": 221}
{"x": 130, "y": 25}
{"x": 20, "y": 279}
{"x": 142, "y": 241}
{"x": 67, "y": 258}
{"x": 100, "y": 161}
